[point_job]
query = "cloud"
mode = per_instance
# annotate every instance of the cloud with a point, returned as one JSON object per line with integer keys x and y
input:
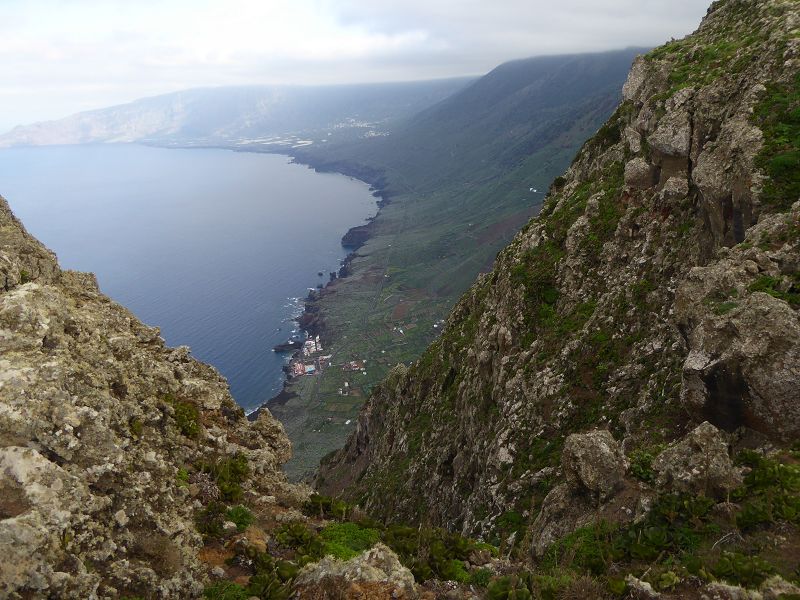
{"x": 60, "y": 56}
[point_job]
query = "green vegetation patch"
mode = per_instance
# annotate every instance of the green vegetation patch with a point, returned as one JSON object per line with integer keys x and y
{"x": 271, "y": 579}
{"x": 187, "y": 416}
{"x": 225, "y": 590}
{"x": 306, "y": 543}
{"x": 724, "y": 49}
{"x": 610, "y": 133}
{"x": 136, "y": 427}
{"x": 430, "y": 553}
{"x": 777, "y": 287}
{"x": 771, "y": 492}
{"x": 676, "y": 523}
{"x": 642, "y": 463}
{"x": 182, "y": 477}
{"x": 679, "y": 536}
{"x": 346, "y": 540}
{"x": 603, "y": 223}
{"x": 209, "y": 520}
{"x": 241, "y": 516}
{"x": 326, "y": 507}
{"x": 778, "y": 117}
{"x": 229, "y": 473}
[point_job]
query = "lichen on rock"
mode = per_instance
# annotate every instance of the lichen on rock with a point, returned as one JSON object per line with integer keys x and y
{"x": 97, "y": 419}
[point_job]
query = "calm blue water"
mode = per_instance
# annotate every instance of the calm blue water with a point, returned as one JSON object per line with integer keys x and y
{"x": 214, "y": 247}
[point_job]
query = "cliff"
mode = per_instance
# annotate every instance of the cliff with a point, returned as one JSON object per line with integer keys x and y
{"x": 106, "y": 438}
{"x": 651, "y": 310}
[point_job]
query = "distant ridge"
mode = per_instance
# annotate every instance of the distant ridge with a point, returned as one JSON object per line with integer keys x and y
{"x": 226, "y": 115}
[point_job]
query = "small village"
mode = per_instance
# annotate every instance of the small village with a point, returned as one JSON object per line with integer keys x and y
{"x": 311, "y": 361}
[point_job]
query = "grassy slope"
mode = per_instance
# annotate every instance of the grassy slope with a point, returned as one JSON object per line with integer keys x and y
{"x": 459, "y": 176}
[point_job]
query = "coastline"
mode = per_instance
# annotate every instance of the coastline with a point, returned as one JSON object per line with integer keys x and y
{"x": 310, "y": 320}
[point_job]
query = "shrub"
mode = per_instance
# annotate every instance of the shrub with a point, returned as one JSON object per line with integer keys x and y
{"x": 268, "y": 586}
{"x": 480, "y": 577}
{"x": 225, "y": 590}
{"x": 187, "y": 417}
{"x": 136, "y": 427}
{"x": 551, "y": 586}
{"x": 241, "y": 516}
{"x": 741, "y": 569}
{"x": 583, "y": 588}
{"x": 307, "y": 545}
{"x": 509, "y": 587}
{"x": 772, "y": 286}
{"x": 676, "y": 523}
{"x": 182, "y": 477}
{"x": 229, "y": 474}
{"x": 642, "y": 464}
{"x": 430, "y": 553}
{"x": 326, "y": 507}
{"x": 209, "y": 520}
{"x": 778, "y": 116}
{"x": 771, "y": 491}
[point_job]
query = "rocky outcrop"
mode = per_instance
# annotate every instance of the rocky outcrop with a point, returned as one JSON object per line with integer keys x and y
{"x": 743, "y": 364}
{"x": 99, "y": 424}
{"x": 657, "y": 290}
{"x": 593, "y": 462}
{"x": 376, "y": 573}
{"x": 700, "y": 463}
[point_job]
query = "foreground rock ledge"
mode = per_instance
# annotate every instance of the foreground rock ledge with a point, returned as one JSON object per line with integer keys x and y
{"x": 91, "y": 502}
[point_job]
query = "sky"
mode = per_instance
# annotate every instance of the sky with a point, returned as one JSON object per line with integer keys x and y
{"x": 58, "y": 57}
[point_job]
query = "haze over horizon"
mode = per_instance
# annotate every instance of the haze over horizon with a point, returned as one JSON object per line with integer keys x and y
{"x": 87, "y": 54}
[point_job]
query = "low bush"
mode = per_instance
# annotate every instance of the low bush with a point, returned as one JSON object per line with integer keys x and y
{"x": 209, "y": 521}
{"x": 228, "y": 473}
{"x": 241, "y": 516}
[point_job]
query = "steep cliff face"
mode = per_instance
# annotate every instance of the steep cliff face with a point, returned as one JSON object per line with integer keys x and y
{"x": 658, "y": 289}
{"x": 104, "y": 432}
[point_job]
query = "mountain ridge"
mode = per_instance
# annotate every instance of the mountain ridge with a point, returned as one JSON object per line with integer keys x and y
{"x": 656, "y": 290}
{"x": 226, "y": 115}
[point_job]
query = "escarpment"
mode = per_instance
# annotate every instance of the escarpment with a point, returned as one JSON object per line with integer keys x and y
{"x": 110, "y": 441}
{"x": 655, "y": 297}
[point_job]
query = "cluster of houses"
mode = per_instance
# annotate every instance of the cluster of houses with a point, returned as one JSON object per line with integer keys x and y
{"x": 354, "y": 365}
{"x": 300, "y": 367}
{"x": 312, "y": 346}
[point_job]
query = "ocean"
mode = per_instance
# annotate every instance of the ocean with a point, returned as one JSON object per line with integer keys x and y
{"x": 217, "y": 248}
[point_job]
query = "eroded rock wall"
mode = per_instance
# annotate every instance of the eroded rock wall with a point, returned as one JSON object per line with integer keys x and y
{"x": 658, "y": 289}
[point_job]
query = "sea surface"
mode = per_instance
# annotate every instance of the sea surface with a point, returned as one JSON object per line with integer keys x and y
{"x": 217, "y": 248}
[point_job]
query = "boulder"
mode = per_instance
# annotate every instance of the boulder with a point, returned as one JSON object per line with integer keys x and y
{"x": 675, "y": 188}
{"x": 698, "y": 464}
{"x": 673, "y": 135}
{"x": 640, "y": 590}
{"x": 776, "y": 587}
{"x": 562, "y": 512}
{"x": 593, "y": 462}
{"x": 377, "y": 572}
{"x": 640, "y": 174}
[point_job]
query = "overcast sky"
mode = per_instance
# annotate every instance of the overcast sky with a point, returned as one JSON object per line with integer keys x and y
{"x": 62, "y": 56}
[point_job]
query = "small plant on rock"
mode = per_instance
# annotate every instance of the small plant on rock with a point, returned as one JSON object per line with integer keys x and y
{"x": 241, "y": 516}
{"x": 225, "y": 590}
{"x": 210, "y": 520}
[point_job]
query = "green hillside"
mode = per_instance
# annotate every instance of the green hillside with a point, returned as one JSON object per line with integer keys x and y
{"x": 458, "y": 178}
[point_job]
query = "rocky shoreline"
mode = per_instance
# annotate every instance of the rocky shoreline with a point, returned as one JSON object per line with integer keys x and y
{"x": 310, "y": 320}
